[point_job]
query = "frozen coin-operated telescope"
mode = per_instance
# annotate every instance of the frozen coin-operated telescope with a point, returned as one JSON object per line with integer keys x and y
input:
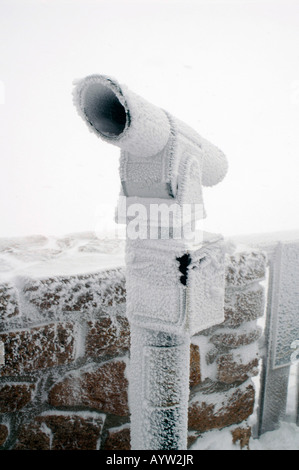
{"x": 174, "y": 274}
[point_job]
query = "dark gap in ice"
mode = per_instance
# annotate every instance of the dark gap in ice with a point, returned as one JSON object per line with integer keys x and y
{"x": 184, "y": 261}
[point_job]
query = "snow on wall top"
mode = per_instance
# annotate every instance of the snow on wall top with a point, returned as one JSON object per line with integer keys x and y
{"x": 38, "y": 256}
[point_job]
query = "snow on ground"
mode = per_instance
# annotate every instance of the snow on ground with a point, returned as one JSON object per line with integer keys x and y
{"x": 284, "y": 438}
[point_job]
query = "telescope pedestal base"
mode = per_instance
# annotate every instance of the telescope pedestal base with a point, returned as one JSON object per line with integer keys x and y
{"x": 158, "y": 389}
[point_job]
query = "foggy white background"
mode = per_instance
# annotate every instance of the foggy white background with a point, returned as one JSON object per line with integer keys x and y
{"x": 230, "y": 69}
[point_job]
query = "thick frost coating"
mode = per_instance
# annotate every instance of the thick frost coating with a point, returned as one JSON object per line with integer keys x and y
{"x": 214, "y": 164}
{"x": 154, "y": 144}
{"x": 245, "y": 267}
{"x": 143, "y": 129}
{"x": 175, "y": 289}
{"x": 285, "y": 303}
{"x": 169, "y": 298}
{"x": 158, "y": 395}
{"x": 205, "y": 293}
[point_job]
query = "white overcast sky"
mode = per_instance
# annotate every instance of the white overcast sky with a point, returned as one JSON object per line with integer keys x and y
{"x": 230, "y": 69}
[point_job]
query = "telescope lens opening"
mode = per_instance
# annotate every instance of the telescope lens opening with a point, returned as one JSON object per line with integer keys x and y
{"x": 104, "y": 111}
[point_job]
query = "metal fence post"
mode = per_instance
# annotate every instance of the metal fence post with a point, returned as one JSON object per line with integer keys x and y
{"x": 281, "y": 331}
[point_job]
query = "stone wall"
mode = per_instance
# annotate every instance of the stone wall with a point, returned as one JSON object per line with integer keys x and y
{"x": 66, "y": 338}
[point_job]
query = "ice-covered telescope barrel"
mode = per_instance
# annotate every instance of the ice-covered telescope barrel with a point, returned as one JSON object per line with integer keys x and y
{"x": 159, "y": 153}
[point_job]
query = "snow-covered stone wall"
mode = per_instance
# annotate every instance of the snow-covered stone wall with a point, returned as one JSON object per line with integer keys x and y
{"x": 66, "y": 341}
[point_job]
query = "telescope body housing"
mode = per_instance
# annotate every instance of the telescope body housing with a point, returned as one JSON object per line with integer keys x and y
{"x": 161, "y": 156}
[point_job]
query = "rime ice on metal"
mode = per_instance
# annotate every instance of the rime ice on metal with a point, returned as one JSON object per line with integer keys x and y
{"x": 286, "y": 303}
{"x": 175, "y": 285}
{"x": 281, "y": 333}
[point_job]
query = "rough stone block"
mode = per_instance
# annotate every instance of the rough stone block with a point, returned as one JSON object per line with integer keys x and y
{"x": 62, "y": 431}
{"x": 244, "y": 267}
{"x": 244, "y": 305}
{"x": 3, "y": 434}
{"x": 14, "y": 396}
{"x": 232, "y": 339}
{"x": 87, "y": 293}
{"x": 9, "y": 303}
{"x": 34, "y": 436}
{"x": 38, "y": 348}
{"x": 231, "y": 370}
{"x": 195, "y": 376}
{"x": 109, "y": 335}
{"x": 104, "y": 388}
{"x": 118, "y": 439}
{"x": 242, "y": 436}
{"x": 218, "y": 410}
{"x": 191, "y": 438}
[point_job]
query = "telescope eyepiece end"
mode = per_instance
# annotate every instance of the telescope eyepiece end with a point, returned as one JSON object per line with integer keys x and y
{"x": 103, "y": 107}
